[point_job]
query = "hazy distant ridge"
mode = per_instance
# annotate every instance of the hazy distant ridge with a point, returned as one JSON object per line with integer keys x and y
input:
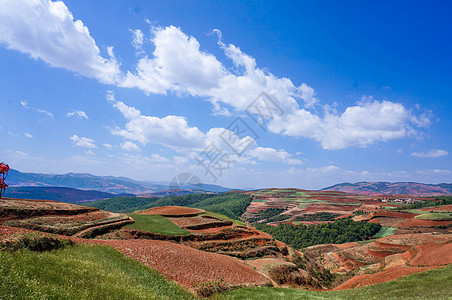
{"x": 392, "y": 188}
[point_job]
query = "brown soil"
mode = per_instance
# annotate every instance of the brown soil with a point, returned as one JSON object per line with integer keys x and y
{"x": 433, "y": 255}
{"x": 199, "y": 222}
{"x": 187, "y": 266}
{"x": 423, "y": 223}
{"x": 172, "y": 211}
{"x": 441, "y": 208}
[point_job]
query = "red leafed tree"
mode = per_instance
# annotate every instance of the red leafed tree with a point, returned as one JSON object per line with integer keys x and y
{"x": 4, "y": 168}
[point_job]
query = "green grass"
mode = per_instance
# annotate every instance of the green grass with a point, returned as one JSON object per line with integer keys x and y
{"x": 222, "y": 217}
{"x": 433, "y": 284}
{"x": 435, "y": 216}
{"x": 384, "y": 231}
{"x": 81, "y": 272}
{"x": 300, "y": 194}
{"x": 156, "y": 224}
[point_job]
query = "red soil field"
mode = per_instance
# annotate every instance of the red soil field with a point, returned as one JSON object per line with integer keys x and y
{"x": 172, "y": 211}
{"x": 422, "y": 223}
{"x": 393, "y": 214}
{"x": 441, "y": 208}
{"x": 432, "y": 255}
{"x": 185, "y": 265}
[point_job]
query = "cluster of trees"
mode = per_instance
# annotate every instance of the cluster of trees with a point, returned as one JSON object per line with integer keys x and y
{"x": 319, "y": 216}
{"x": 361, "y": 212}
{"x": 229, "y": 204}
{"x": 341, "y": 231}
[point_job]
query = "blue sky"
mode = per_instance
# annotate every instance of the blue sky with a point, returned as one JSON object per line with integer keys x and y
{"x": 359, "y": 90}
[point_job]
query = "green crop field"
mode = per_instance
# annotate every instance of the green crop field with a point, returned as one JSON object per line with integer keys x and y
{"x": 384, "y": 232}
{"x": 438, "y": 216}
{"x": 156, "y": 224}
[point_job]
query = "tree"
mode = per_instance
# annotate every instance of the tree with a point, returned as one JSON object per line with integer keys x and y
{"x": 4, "y": 168}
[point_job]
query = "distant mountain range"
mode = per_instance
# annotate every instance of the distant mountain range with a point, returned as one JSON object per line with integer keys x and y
{"x": 393, "y": 188}
{"x": 58, "y": 194}
{"x": 108, "y": 184}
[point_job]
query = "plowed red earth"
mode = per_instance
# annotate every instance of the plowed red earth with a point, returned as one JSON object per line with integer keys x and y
{"x": 169, "y": 211}
{"x": 441, "y": 208}
{"x": 433, "y": 255}
{"x": 185, "y": 265}
{"x": 422, "y": 223}
{"x": 391, "y": 214}
{"x": 387, "y": 275}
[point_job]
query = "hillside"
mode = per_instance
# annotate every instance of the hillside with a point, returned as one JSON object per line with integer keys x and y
{"x": 230, "y": 204}
{"x": 392, "y": 188}
{"x": 59, "y": 194}
{"x": 207, "y": 252}
{"x": 109, "y": 184}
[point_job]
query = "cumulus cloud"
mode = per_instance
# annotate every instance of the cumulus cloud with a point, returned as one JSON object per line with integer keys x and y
{"x": 77, "y": 113}
{"x": 434, "y": 153}
{"x": 47, "y": 30}
{"x": 28, "y": 135}
{"x": 129, "y": 146}
{"x": 359, "y": 126}
{"x": 175, "y": 132}
{"x": 270, "y": 154}
{"x": 24, "y": 104}
{"x": 43, "y": 111}
{"x": 178, "y": 65}
{"x": 137, "y": 39}
{"x": 108, "y": 146}
{"x": 83, "y": 142}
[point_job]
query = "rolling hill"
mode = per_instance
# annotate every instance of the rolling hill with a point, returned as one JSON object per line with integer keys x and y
{"x": 63, "y": 194}
{"x": 108, "y": 184}
{"x": 392, "y": 188}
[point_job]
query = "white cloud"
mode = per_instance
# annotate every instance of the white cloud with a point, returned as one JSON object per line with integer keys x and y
{"x": 424, "y": 119}
{"x": 359, "y": 126}
{"x": 171, "y": 131}
{"x": 28, "y": 135}
{"x": 129, "y": 146}
{"x": 138, "y": 39}
{"x": 90, "y": 152}
{"x": 21, "y": 153}
{"x": 24, "y": 104}
{"x": 108, "y": 146}
{"x": 47, "y": 30}
{"x": 270, "y": 154}
{"x": 77, "y": 113}
{"x": 83, "y": 142}
{"x": 43, "y": 111}
{"x": 178, "y": 65}
{"x": 431, "y": 154}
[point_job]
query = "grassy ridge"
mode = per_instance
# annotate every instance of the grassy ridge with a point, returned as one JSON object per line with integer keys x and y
{"x": 154, "y": 223}
{"x": 81, "y": 272}
{"x": 433, "y": 284}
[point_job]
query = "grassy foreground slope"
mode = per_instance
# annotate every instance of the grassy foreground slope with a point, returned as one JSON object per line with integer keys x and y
{"x": 81, "y": 272}
{"x": 100, "y": 272}
{"x": 433, "y": 284}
